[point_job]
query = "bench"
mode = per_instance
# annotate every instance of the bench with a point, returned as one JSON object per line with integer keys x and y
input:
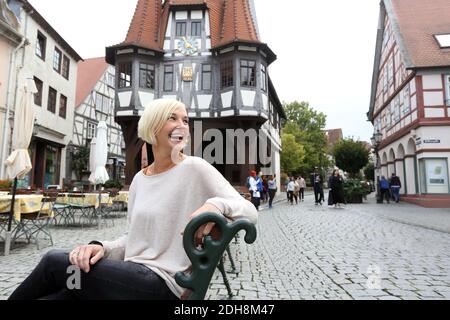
{"x": 206, "y": 258}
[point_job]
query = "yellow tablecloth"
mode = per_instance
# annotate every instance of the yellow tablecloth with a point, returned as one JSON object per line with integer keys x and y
{"x": 121, "y": 197}
{"x": 89, "y": 199}
{"x": 23, "y": 204}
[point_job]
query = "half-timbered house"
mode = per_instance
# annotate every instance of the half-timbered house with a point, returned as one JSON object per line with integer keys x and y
{"x": 207, "y": 54}
{"x": 410, "y": 100}
{"x": 94, "y": 103}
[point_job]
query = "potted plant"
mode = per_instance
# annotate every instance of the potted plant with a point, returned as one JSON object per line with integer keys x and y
{"x": 355, "y": 191}
{"x": 113, "y": 184}
{"x": 5, "y": 185}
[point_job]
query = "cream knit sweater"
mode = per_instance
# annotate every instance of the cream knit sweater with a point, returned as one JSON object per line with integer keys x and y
{"x": 159, "y": 207}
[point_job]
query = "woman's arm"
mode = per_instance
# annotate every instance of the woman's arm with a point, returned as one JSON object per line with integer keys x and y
{"x": 224, "y": 197}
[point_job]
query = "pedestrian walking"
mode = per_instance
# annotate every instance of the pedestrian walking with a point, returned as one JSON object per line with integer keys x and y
{"x": 296, "y": 190}
{"x": 395, "y": 185}
{"x": 290, "y": 190}
{"x": 255, "y": 189}
{"x": 337, "y": 189}
{"x": 318, "y": 187}
{"x": 265, "y": 197}
{"x": 330, "y": 193}
{"x": 302, "y": 184}
{"x": 272, "y": 186}
{"x": 384, "y": 189}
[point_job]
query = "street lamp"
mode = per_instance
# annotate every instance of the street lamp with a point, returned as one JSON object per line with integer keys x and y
{"x": 376, "y": 139}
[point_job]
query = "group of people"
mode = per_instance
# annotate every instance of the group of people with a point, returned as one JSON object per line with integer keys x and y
{"x": 390, "y": 189}
{"x": 296, "y": 189}
{"x": 262, "y": 189}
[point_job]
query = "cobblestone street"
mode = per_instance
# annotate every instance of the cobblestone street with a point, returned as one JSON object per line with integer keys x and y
{"x": 366, "y": 251}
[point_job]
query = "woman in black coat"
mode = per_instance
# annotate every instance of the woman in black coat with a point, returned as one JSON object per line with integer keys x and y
{"x": 337, "y": 188}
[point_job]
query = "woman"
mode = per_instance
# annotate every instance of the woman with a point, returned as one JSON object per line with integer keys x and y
{"x": 143, "y": 262}
{"x": 290, "y": 190}
{"x": 254, "y": 189}
{"x": 272, "y": 186}
{"x": 337, "y": 189}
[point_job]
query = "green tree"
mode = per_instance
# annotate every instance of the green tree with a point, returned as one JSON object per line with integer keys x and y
{"x": 351, "y": 156}
{"x": 307, "y": 125}
{"x": 80, "y": 159}
{"x": 293, "y": 154}
{"x": 369, "y": 171}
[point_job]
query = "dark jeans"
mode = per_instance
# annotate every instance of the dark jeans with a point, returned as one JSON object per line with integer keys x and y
{"x": 290, "y": 196}
{"x": 106, "y": 280}
{"x": 395, "y": 193}
{"x": 272, "y": 193}
{"x": 318, "y": 194}
{"x": 302, "y": 194}
{"x": 385, "y": 194}
{"x": 256, "y": 202}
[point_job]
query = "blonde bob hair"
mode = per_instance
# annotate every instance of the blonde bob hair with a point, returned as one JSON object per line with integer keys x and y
{"x": 155, "y": 117}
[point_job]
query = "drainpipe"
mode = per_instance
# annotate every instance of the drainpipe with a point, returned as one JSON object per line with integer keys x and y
{"x": 12, "y": 64}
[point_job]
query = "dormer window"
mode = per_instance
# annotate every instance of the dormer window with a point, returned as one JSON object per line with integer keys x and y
{"x": 443, "y": 40}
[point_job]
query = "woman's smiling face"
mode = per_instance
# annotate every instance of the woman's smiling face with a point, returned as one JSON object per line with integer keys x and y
{"x": 175, "y": 131}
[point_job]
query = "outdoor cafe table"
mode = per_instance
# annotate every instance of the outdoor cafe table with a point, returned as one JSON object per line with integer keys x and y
{"x": 122, "y": 196}
{"x": 23, "y": 204}
{"x": 88, "y": 199}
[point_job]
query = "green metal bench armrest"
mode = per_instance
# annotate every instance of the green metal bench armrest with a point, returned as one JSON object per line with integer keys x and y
{"x": 206, "y": 258}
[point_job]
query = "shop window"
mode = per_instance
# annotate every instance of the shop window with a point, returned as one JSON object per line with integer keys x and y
{"x": 434, "y": 175}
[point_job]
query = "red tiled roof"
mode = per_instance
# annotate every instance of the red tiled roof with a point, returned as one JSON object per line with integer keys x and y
{"x": 144, "y": 27}
{"x": 238, "y": 24}
{"x": 418, "y": 21}
{"x": 89, "y": 73}
{"x": 230, "y": 20}
{"x": 334, "y": 136}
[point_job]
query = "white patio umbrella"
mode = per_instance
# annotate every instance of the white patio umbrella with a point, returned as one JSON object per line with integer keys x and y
{"x": 92, "y": 159}
{"x": 18, "y": 164}
{"x": 100, "y": 175}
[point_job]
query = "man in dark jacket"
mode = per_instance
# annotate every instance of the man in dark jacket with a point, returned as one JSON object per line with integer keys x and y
{"x": 395, "y": 187}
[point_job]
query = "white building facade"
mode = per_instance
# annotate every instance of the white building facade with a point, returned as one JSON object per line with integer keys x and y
{"x": 410, "y": 103}
{"x": 50, "y": 61}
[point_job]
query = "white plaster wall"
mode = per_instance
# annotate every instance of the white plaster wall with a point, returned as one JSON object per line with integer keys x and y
{"x": 181, "y": 15}
{"x": 169, "y": 25}
{"x": 207, "y": 24}
{"x": 124, "y": 98}
{"x": 410, "y": 176}
{"x": 226, "y": 99}
{"x": 434, "y": 133}
{"x": 146, "y": 98}
{"x": 248, "y": 98}
{"x": 401, "y": 174}
{"x": 204, "y": 100}
{"x": 434, "y": 112}
{"x": 432, "y": 81}
{"x": 433, "y": 98}
{"x": 196, "y": 14}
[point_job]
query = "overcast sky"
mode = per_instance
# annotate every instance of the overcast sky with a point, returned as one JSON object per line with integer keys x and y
{"x": 325, "y": 48}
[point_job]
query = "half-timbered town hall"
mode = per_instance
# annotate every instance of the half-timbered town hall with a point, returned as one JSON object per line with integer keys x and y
{"x": 207, "y": 54}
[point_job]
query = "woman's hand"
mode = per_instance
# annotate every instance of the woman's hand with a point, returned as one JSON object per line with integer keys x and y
{"x": 86, "y": 255}
{"x": 205, "y": 229}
